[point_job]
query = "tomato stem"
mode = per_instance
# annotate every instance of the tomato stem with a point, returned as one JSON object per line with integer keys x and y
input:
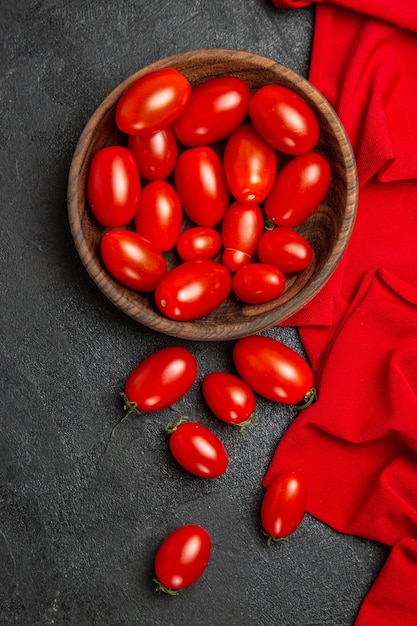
{"x": 309, "y": 398}
{"x": 172, "y": 426}
{"x": 162, "y": 587}
{"x": 130, "y": 407}
{"x": 271, "y": 538}
{"x": 251, "y": 420}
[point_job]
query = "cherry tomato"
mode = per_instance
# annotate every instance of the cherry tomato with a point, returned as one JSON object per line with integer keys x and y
{"x": 113, "y": 186}
{"x": 258, "y": 283}
{"x": 286, "y": 249}
{"x": 298, "y": 190}
{"x": 284, "y": 505}
{"x": 197, "y": 449}
{"x": 284, "y": 119}
{"x": 193, "y": 289}
{"x": 242, "y": 227}
{"x": 155, "y": 153}
{"x": 199, "y": 242}
{"x": 215, "y": 109}
{"x": 250, "y": 165}
{"x": 152, "y": 102}
{"x": 201, "y": 185}
{"x": 159, "y": 215}
{"x": 229, "y": 398}
{"x": 182, "y": 558}
{"x": 161, "y": 379}
{"x": 132, "y": 260}
{"x": 273, "y": 370}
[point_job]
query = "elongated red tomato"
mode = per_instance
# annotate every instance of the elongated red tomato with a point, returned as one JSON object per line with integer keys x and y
{"x": 198, "y": 450}
{"x": 113, "y": 186}
{"x": 201, "y": 185}
{"x": 182, "y": 558}
{"x": 132, "y": 260}
{"x": 155, "y": 153}
{"x": 215, "y": 109}
{"x": 250, "y": 165}
{"x": 159, "y": 214}
{"x": 284, "y": 504}
{"x": 161, "y": 379}
{"x": 272, "y": 369}
{"x": 229, "y": 397}
{"x": 258, "y": 283}
{"x": 284, "y": 119}
{"x": 193, "y": 289}
{"x": 242, "y": 227}
{"x": 286, "y": 249}
{"x": 298, "y": 190}
{"x": 199, "y": 242}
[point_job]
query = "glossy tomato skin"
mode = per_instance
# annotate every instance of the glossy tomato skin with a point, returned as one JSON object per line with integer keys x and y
{"x": 215, "y": 109}
{"x": 272, "y": 369}
{"x": 198, "y": 450}
{"x": 152, "y": 102}
{"x": 257, "y": 283}
{"x": 159, "y": 214}
{"x": 284, "y": 504}
{"x": 286, "y": 249}
{"x": 155, "y": 153}
{"x": 284, "y": 119}
{"x": 161, "y": 379}
{"x": 193, "y": 289}
{"x": 199, "y": 242}
{"x": 113, "y": 186}
{"x": 132, "y": 260}
{"x": 250, "y": 165}
{"x": 228, "y": 397}
{"x": 201, "y": 185}
{"x": 182, "y": 558}
{"x": 298, "y": 190}
{"x": 242, "y": 227}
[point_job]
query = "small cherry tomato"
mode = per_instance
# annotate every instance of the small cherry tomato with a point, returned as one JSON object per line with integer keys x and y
{"x": 199, "y": 242}
{"x": 229, "y": 398}
{"x": 161, "y": 379}
{"x": 155, "y": 153}
{"x": 197, "y": 449}
{"x": 242, "y": 227}
{"x": 159, "y": 214}
{"x": 284, "y": 119}
{"x": 113, "y": 186}
{"x": 152, "y": 102}
{"x": 258, "y": 283}
{"x": 250, "y": 165}
{"x": 284, "y": 505}
{"x": 182, "y": 558}
{"x": 298, "y": 190}
{"x": 215, "y": 109}
{"x": 201, "y": 185}
{"x": 193, "y": 289}
{"x": 273, "y": 370}
{"x": 132, "y": 260}
{"x": 286, "y": 249}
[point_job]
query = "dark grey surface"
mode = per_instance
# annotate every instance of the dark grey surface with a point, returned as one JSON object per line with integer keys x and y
{"x": 85, "y": 502}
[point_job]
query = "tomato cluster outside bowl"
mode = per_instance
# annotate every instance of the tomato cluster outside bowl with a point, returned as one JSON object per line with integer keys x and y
{"x": 328, "y": 230}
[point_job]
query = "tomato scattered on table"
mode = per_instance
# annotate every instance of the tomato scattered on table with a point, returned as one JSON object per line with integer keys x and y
{"x": 284, "y": 505}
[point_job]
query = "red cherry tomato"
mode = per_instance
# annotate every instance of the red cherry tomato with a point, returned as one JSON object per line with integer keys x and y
{"x": 132, "y": 260}
{"x": 298, "y": 190}
{"x": 250, "y": 165}
{"x": 284, "y": 119}
{"x": 215, "y": 109}
{"x": 201, "y": 185}
{"x": 284, "y": 505}
{"x": 229, "y": 398}
{"x": 152, "y": 102}
{"x": 272, "y": 369}
{"x": 182, "y": 558}
{"x": 161, "y": 379}
{"x": 193, "y": 289}
{"x": 197, "y": 449}
{"x": 159, "y": 215}
{"x": 242, "y": 227}
{"x": 199, "y": 242}
{"x": 113, "y": 186}
{"x": 286, "y": 249}
{"x": 155, "y": 154}
{"x": 258, "y": 283}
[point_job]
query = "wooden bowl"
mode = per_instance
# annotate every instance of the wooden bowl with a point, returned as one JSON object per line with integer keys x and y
{"x": 328, "y": 229}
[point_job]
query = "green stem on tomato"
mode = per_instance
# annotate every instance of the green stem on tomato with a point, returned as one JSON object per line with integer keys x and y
{"x": 243, "y": 425}
{"x": 130, "y": 407}
{"x": 171, "y": 426}
{"x": 161, "y": 587}
{"x": 309, "y": 398}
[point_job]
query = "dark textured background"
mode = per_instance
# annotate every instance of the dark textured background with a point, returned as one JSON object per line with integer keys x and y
{"x": 85, "y": 502}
